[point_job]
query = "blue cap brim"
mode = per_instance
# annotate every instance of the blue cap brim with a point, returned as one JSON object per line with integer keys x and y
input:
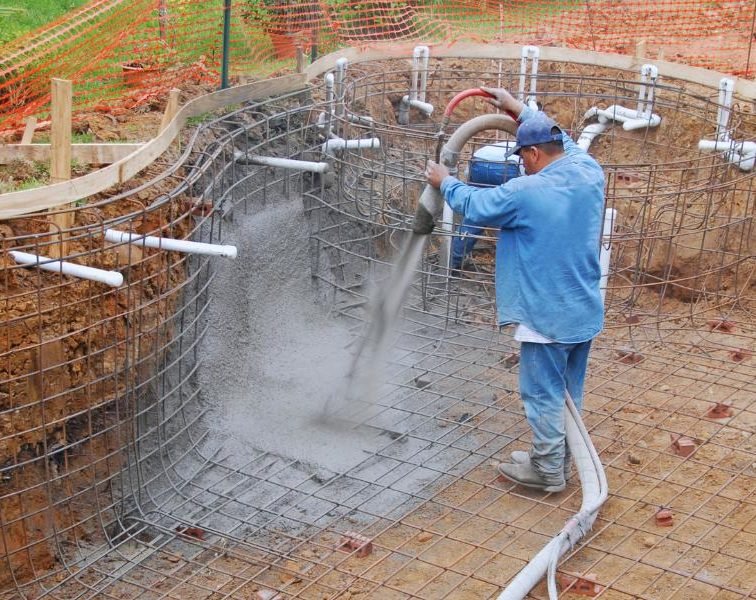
{"x": 554, "y": 138}
{"x": 513, "y": 151}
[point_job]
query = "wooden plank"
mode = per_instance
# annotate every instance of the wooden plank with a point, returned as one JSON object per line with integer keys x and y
{"x": 60, "y": 156}
{"x": 38, "y": 199}
{"x": 31, "y": 125}
{"x": 640, "y": 51}
{"x": 88, "y": 154}
{"x": 300, "y": 59}
{"x": 743, "y": 87}
{"x": 60, "y": 131}
{"x": 171, "y": 108}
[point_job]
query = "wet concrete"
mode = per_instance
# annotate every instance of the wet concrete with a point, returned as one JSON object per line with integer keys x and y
{"x": 273, "y": 358}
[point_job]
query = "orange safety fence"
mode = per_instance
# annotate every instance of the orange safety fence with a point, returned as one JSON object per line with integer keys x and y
{"x": 124, "y": 53}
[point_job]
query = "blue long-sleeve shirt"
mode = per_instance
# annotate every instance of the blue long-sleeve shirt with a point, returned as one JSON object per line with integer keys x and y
{"x": 547, "y": 255}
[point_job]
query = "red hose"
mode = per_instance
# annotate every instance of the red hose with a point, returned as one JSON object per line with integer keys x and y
{"x": 467, "y": 94}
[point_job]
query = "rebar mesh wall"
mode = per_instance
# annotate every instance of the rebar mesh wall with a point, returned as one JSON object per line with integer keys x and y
{"x": 110, "y": 487}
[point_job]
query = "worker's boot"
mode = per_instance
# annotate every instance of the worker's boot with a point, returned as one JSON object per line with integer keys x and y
{"x": 520, "y": 456}
{"x": 526, "y": 475}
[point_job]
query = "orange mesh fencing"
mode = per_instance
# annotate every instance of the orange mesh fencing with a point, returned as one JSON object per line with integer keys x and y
{"x": 124, "y": 53}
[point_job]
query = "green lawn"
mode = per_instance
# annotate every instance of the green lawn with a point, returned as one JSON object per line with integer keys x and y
{"x": 18, "y": 17}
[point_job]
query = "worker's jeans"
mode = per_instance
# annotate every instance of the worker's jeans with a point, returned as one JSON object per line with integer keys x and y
{"x": 546, "y": 370}
{"x": 463, "y": 243}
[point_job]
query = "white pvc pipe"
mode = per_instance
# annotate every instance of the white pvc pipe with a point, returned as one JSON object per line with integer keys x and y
{"x": 419, "y": 75}
{"x": 741, "y": 154}
{"x": 360, "y": 119}
{"x": 649, "y": 75}
{"x": 589, "y": 133}
{"x": 652, "y": 120}
{"x": 336, "y": 144}
{"x": 445, "y": 244}
{"x": 746, "y": 163}
{"x": 629, "y": 117}
{"x": 610, "y": 216}
{"x": 528, "y": 52}
{"x": 535, "y": 53}
{"x": 424, "y": 58}
{"x": 284, "y": 163}
{"x": 404, "y": 109}
{"x": 111, "y": 278}
{"x": 742, "y": 161}
{"x": 415, "y": 74}
{"x": 328, "y": 118}
{"x": 163, "y": 243}
{"x": 726, "y": 89}
{"x": 745, "y": 148}
{"x": 616, "y": 112}
{"x": 423, "y": 107}
{"x": 418, "y": 87}
{"x": 340, "y": 87}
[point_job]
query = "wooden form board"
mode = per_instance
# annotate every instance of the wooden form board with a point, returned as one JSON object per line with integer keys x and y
{"x": 171, "y": 108}
{"x": 38, "y": 199}
{"x": 88, "y": 154}
{"x": 743, "y": 87}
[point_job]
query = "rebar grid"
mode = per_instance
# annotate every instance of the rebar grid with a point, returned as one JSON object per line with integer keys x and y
{"x": 143, "y": 505}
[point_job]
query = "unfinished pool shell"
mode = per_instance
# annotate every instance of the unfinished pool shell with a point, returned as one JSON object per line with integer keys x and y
{"x": 190, "y": 434}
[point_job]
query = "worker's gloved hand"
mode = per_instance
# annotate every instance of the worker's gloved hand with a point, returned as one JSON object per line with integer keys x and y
{"x": 503, "y": 100}
{"x": 435, "y": 173}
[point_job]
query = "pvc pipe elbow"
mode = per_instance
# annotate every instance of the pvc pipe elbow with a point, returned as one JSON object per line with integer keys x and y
{"x": 424, "y": 107}
{"x": 591, "y": 112}
{"x": 745, "y": 148}
{"x": 404, "y": 108}
{"x": 589, "y": 133}
{"x": 745, "y": 162}
{"x": 641, "y": 122}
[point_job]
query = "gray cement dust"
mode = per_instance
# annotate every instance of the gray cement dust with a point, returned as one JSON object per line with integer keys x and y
{"x": 272, "y": 358}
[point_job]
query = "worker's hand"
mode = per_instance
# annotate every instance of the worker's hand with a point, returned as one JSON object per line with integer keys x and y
{"x": 435, "y": 173}
{"x": 503, "y": 100}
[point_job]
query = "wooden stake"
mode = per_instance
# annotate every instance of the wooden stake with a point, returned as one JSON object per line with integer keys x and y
{"x": 31, "y": 125}
{"x": 60, "y": 159}
{"x": 171, "y": 108}
{"x": 640, "y": 50}
{"x": 300, "y": 59}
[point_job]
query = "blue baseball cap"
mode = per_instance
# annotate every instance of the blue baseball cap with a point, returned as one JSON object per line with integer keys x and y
{"x": 539, "y": 129}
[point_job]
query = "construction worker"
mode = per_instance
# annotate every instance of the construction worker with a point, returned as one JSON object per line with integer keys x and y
{"x": 547, "y": 275}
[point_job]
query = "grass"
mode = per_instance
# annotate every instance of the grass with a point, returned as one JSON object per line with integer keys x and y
{"x": 76, "y": 138}
{"x": 18, "y": 17}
